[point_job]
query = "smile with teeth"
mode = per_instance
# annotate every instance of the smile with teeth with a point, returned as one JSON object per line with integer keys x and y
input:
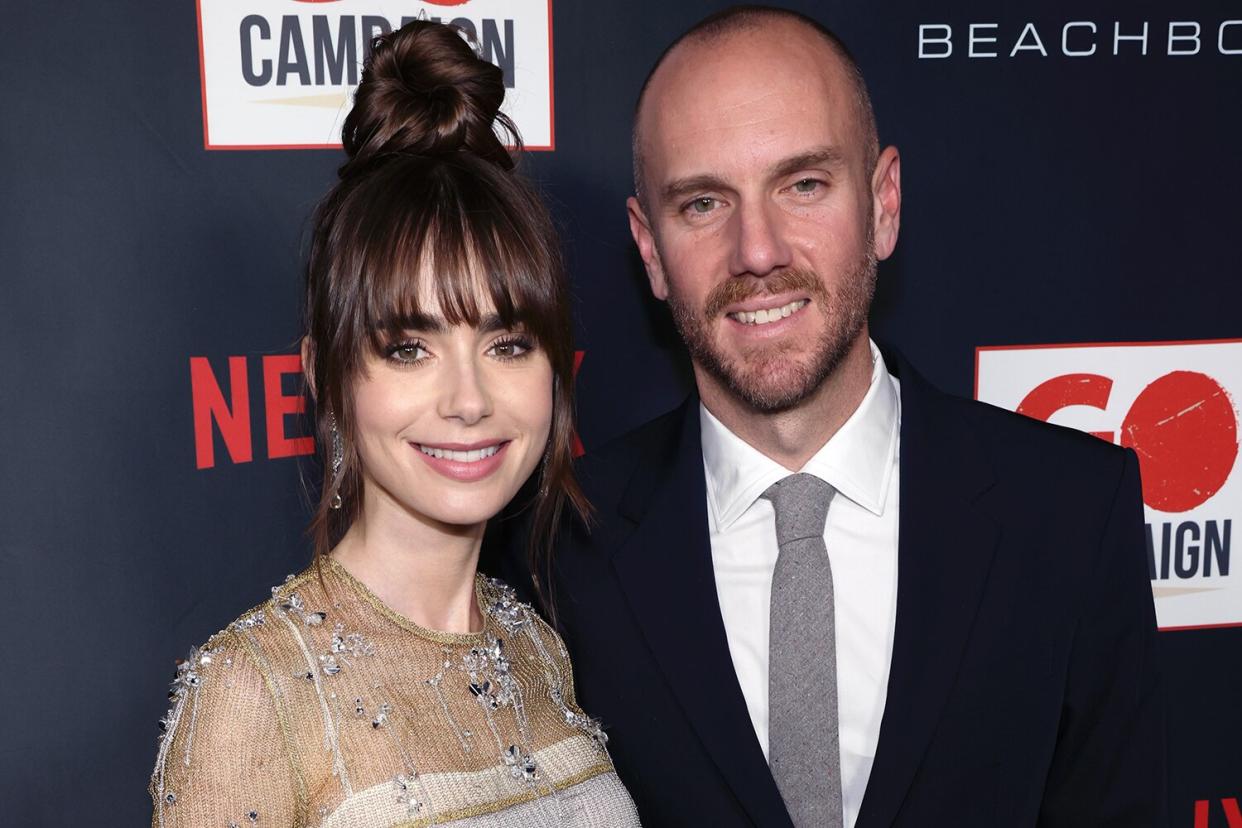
{"x": 766, "y": 315}
{"x": 473, "y": 456}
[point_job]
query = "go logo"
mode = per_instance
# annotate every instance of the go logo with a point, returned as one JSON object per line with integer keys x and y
{"x": 1175, "y": 405}
{"x": 1182, "y": 425}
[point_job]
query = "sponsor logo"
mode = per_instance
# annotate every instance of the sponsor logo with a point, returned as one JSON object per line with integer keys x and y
{"x": 1079, "y": 39}
{"x": 280, "y": 74}
{"x": 227, "y": 412}
{"x": 1175, "y": 404}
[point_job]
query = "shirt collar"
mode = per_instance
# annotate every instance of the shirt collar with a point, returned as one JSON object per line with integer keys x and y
{"x": 857, "y": 461}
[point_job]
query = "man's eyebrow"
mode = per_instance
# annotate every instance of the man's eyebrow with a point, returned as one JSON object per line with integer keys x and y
{"x": 679, "y": 188}
{"x": 819, "y": 157}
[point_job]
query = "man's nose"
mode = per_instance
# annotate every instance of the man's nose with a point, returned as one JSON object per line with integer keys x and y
{"x": 759, "y": 245}
{"x": 465, "y": 395}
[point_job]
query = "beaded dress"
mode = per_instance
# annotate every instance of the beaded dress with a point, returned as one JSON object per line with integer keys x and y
{"x": 323, "y": 707}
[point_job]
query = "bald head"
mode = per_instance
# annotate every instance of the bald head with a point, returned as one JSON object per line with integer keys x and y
{"x": 740, "y": 22}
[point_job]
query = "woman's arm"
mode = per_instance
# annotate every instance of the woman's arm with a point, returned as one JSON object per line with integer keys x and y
{"x": 223, "y": 758}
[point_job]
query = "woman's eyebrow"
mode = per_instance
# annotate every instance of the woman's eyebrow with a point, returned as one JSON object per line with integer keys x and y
{"x": 420, "y": 322}
{"x": 426, "y": 323}
{"x": 492, "y": 323}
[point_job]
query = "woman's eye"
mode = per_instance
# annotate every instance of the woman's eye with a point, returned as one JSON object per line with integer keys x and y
{"x": 510, "y": 348}
{"x": 407, "y": 352}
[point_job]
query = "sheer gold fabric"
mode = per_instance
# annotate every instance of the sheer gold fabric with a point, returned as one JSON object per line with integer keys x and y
{"x": 325, "y": 707}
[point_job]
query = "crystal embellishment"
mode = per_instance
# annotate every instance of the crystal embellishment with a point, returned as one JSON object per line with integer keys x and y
{"x": 491, "y": 679}
{"x": 520, "y": 763}
{"x": 405, "y": 794}
{"x": 508, "y": 611}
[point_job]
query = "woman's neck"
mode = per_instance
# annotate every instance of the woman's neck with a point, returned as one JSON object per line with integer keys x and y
{"x": 421, "y": 569}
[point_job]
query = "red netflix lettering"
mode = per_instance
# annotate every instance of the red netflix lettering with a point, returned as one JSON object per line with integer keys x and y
{"x": 278, "y": 405}
{"x": 1233, "y": 815}
{"x": 209, "y": 405}
{"x": 578, "y": 450}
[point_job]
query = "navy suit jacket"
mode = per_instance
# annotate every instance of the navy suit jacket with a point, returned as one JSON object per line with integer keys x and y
{"x": 1023, "y": 688}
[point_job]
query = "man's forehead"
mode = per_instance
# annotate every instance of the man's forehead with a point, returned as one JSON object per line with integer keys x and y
{"x": 759, "y": 80}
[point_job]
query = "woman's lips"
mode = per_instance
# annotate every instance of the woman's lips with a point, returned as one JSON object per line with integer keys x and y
{"x": 461, "y": 461}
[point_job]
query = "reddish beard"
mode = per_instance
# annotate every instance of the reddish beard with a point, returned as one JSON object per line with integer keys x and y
{"x": 766, "y": 378}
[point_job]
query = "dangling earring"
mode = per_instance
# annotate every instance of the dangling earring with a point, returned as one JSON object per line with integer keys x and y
{"x": 338, "y": 457}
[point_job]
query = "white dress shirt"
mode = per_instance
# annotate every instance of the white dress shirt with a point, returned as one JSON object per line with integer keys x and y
{"x": 860, "y": 462}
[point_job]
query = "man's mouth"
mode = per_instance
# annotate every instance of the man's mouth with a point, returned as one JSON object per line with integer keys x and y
{"x": 457, "y": 456}
{"x": 765, "y": 315}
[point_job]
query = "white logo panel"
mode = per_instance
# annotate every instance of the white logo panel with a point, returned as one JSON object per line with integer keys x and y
{"x": 1176, "y": 405}
{"x": 280, "y": 74}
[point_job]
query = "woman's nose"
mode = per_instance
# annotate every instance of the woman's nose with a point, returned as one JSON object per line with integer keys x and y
{"x": 466, "y": 397}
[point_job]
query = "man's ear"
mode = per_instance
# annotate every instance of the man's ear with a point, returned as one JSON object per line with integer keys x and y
{"x": 640, "y": 229}
{"x": 308, "y": 363}
{"x": 886, "y": 200}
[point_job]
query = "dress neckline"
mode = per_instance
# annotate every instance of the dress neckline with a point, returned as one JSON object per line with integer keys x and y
{"x": 438, "y": 636}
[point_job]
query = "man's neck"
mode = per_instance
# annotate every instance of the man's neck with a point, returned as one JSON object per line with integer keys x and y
{"x": 793, "y": 436}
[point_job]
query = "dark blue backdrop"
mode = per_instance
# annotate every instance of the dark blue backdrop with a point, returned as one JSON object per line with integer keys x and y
{"x": 1046, "y": 200}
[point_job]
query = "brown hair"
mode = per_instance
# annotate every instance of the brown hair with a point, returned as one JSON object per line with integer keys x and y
{"x": 428, "y": 188}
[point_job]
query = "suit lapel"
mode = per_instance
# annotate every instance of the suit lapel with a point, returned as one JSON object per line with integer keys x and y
{"x": 664, "y": 567}
{"x": 945, "y": 550}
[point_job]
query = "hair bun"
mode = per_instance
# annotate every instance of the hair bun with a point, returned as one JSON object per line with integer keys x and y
{"x": 425, "y": 92}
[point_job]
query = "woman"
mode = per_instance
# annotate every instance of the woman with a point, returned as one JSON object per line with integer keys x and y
{"x": 389, "y": 683}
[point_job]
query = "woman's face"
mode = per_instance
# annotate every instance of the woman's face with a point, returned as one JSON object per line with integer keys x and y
{"x": 452, "y": 420}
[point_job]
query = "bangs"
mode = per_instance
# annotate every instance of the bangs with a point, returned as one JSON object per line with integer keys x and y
{"x": 440, "y": 240}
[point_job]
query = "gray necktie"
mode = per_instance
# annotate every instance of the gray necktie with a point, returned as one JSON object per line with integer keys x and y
{"x": 803, "y": 745}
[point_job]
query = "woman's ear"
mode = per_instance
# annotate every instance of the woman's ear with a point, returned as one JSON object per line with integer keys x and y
{"x": 308, "y": 363}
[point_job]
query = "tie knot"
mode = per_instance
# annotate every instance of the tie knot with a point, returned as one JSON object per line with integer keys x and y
{"x": 801, "y": 504}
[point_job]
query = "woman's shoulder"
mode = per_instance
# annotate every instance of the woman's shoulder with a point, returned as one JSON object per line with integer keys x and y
{"x": 524, "y": 624}
{"x": 299, "y": 597}
{"x": 501, "y": 603}
{"x": 259, "y": 641}
{"x": 242, "y": 654}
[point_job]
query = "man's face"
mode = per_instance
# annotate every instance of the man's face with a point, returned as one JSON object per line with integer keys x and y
{"x": 758, "y": 225}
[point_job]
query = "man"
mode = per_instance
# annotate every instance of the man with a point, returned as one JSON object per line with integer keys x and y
{"x": 965, "y": 634}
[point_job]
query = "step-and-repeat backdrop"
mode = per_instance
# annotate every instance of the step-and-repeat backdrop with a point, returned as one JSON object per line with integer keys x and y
{"x": 1069, "y": 250}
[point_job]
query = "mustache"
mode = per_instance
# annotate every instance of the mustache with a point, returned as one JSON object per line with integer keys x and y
{"x": 741, "y": 288}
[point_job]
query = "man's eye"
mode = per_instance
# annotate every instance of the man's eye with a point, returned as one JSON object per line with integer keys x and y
{"x": 807, "y": 185}
{"x": 703, "y": 205}
{"x": 407, "y": 352}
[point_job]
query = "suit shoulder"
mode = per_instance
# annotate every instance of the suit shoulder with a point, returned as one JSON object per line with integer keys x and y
{"x": 1043, "y": 450}
{"x": 608, "y": 468}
